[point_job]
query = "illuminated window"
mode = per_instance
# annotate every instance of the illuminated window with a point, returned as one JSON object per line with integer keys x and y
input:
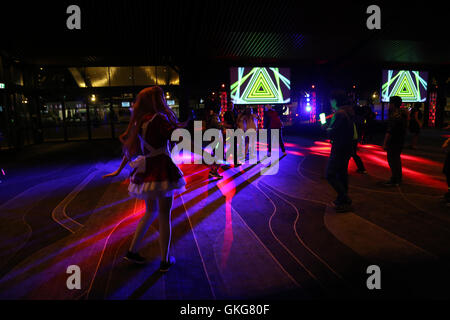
{"x": 145, "y": 76}
{"x": 174, "y": 77}
{"x": 162, "y": 75}
{"x": 97, "y": 77}
{"x": 125, "y": 76}
{"x": 121, "y": 76}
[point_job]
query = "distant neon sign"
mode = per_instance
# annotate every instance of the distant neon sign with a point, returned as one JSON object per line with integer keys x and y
{"x": 260, "y": 85}
{"x": 411, "y": 86}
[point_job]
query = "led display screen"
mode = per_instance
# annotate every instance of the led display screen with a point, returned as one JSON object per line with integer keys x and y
{"x": 411, "y": 86}
{"x": 125, "y": 104}
{"x": 260, "y": 85}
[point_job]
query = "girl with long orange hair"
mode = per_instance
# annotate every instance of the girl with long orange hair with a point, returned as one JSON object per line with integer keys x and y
{"x": 155, "y": 177}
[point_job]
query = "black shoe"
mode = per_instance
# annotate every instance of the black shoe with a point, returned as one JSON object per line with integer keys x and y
{"x": 361, "y": 171}
{"x": 165, "y": 265}
{"x": 135, "y": 257}
{"x": 214, "y": 174}
{"x": 391, "y": 183}
{"x": 341, "y": 208}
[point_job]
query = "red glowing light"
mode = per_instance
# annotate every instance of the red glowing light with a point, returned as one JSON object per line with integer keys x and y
{"x": 295, "y": 153}
{"x": 432, "y": 112}
{"x": 291, "y": 145}
{"x": 322, "y": 143}
{"x": 370, "y": 146}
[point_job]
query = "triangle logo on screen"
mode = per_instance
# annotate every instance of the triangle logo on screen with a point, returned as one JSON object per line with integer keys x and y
{"x": 260, "y": 88}
{"x": 404, "y": 87}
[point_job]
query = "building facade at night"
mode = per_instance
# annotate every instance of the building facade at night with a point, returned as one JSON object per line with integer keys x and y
{"x": 42, "y": 104}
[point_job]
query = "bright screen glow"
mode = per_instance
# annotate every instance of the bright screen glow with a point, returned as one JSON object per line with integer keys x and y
{"x": 260, "y": 85}
{"x": 323, "y": 119}
{"x": 125, "y": 104}
{"x": 411, "y": 86}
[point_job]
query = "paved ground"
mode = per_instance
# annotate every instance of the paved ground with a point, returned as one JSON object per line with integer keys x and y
{"x": 246, "y": 236}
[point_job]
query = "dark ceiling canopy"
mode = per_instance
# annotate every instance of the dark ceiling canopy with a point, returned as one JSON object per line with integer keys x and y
{"x": 182, "y": 32}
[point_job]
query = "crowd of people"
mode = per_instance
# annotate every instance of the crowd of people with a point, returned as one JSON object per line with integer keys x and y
{"x": 155, "y": 177}
{"x": 244, "y": 119}
{"x": 345, "y": 130}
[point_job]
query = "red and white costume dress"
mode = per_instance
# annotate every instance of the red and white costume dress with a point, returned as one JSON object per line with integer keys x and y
{"x": 155, "y": 174}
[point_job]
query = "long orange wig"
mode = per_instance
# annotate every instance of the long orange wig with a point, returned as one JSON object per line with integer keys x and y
{"x": 148, "y": 102}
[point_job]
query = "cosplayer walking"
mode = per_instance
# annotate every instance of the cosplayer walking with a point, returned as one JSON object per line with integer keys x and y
{"x": 155, "y": 177}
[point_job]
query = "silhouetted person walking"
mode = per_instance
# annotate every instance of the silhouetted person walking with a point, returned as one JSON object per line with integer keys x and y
{"x": 341, "y": 132}
{"x": 395, "y": 139}
{"x": 230, "y": 118}
{"x": 272, "y": 121}
{"x": 415, "y": 124}
{"x": 357, "y": 128}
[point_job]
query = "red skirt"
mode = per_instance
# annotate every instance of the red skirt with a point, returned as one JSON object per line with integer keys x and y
{"x": 161, "y": 178}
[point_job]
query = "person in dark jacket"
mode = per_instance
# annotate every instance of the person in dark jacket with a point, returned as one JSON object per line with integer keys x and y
{"x": 341, "y": 132}
{"x": 212, "y": 121}
{"x": 395, "y": 139}
{"x": 358, "y": 124}
{"x": 272, "y": 121}
{"x": 415, "y": 124}
{"x": 230, "y": 122}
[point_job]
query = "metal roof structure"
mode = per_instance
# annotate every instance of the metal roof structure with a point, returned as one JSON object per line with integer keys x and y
{"x": 181, "y": 32}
